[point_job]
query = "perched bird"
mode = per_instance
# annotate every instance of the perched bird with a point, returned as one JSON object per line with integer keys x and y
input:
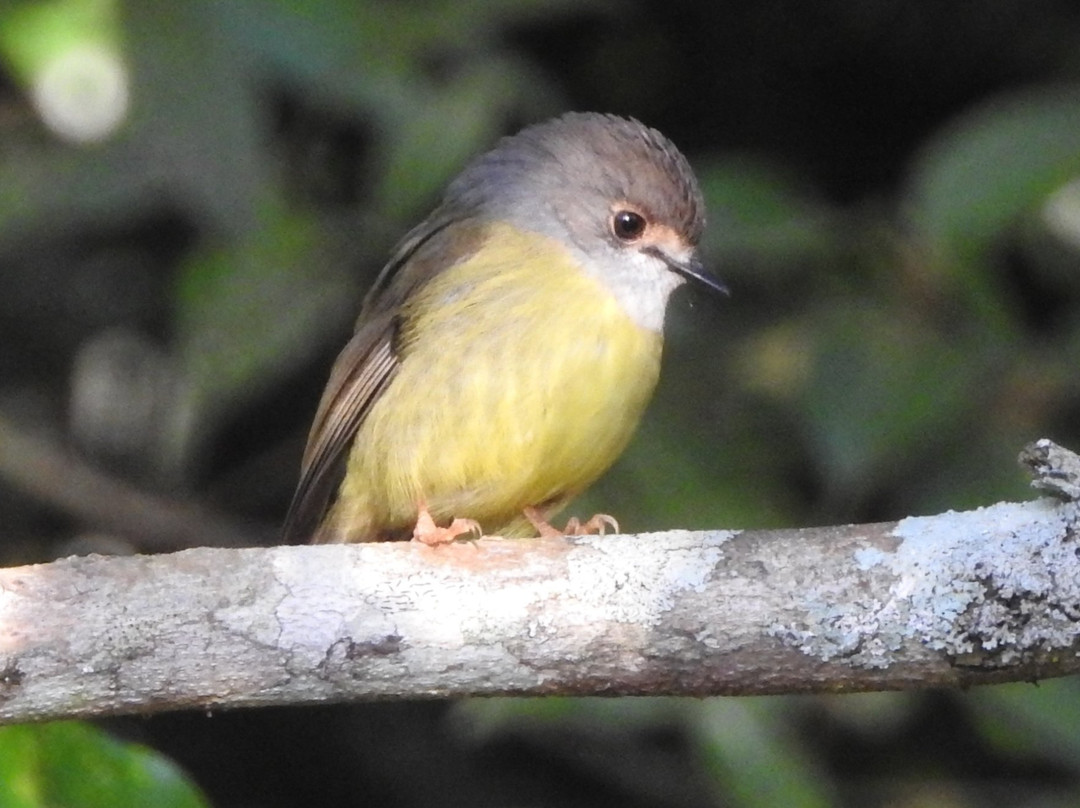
{"x": 505, "y": 354}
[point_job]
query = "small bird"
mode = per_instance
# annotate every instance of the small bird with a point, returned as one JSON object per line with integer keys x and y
{"x": 505, "y": 354}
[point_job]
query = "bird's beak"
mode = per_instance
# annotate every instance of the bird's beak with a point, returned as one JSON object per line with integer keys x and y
{"x": 692, "y": 269}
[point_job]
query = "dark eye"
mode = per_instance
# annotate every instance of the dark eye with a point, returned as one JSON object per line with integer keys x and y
{"x": 628, "y": 225}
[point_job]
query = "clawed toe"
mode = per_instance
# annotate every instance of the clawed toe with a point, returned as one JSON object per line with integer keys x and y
{"x": 429, "y": 533}
{"x": 597, "y": 524}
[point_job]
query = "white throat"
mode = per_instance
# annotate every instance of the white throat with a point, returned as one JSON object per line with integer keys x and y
{"x": 641, "y": 283}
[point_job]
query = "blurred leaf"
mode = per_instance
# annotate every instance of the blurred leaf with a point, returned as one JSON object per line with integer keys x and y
{"x": 755, "y": 208}
{"x": 246, "y": 315}
{"x": 423, "y": 154}
{"x": 415, "y": 32}
{"x": 66, "y": 54}
{"x": 743, "y": 741}
{"x": 1034, "y": 721}
{"x": 74, "y": 765}
{"x": 754, "y": 756}
{"x": 879, "y": 387}
{"x": 407, "y": 73}
{"x": 992, "y": 165}
{"x": 33, "y": 33}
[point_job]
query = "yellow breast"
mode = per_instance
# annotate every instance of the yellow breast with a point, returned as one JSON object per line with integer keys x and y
{"x": 521, "y": 381}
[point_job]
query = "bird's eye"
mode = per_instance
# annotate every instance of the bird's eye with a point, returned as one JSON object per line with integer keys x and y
{"x": 628, "y": 225}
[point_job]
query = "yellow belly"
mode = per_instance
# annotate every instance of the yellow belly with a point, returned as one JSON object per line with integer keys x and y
{"x": 521, "y": 381}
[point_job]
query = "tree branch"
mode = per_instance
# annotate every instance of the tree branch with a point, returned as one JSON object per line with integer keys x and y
{"x": 64, "y": 480}
{"x": 989, "y": 595}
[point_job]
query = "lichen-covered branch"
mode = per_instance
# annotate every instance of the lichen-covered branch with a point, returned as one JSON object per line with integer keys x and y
{"x": 956, "y": 599}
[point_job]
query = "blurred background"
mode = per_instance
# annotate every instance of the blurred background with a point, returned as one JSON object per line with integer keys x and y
{"x": 194, "y": 196}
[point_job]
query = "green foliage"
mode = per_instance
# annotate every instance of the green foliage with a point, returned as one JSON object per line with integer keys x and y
{"x": 74, "y": 765}
{"x": 760, "y": 212}
{"x": 743, "y": 743}
{"x": 34, "y": 32}
{"x": 879, "y": 382}
{"x": 996, "y": 163}
{"x": 241, "y": 310}
{"x": 751, "y": 749}
{"x": 1033, "y": 722}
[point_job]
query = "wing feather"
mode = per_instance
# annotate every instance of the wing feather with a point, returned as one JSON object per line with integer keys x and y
{"x": 367, "y": 365}
{"x": 360, "y": 374}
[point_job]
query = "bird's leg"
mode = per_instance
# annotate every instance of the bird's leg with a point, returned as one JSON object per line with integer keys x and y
{"x": 429, "y": 533}
{"x": 574, "y": 527}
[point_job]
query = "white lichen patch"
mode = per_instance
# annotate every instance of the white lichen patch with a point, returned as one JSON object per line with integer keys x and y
{"x": 987, "y": 587}
{"x": 1002, "y": 579}
{"x": 637, "y": 583}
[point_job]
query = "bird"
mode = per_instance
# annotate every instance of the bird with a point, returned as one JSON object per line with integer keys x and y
{"x": 505, "y": 354}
